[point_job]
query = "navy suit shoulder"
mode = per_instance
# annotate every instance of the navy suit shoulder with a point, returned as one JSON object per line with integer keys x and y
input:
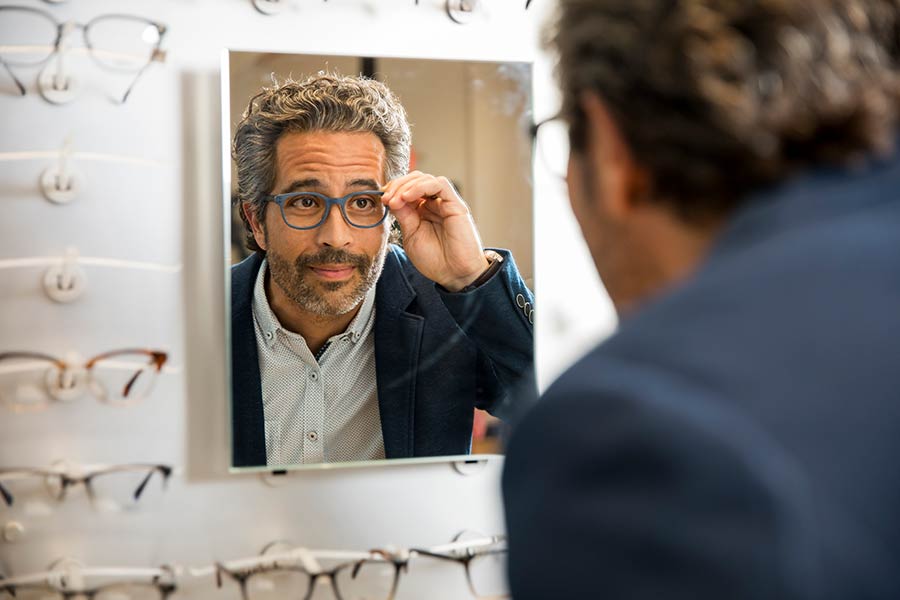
{"x": 736, "y": 438}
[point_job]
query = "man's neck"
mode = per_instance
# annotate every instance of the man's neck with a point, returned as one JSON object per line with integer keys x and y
{"x": 316, "y": 329}
{"x": 664, "y": 251}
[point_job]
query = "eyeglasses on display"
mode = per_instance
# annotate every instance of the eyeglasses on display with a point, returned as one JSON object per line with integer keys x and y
{"x": 112, "y": 488}
{"x": 308, "y": 210}
{"x": 65, "y": 580}
{"x": 484, "y": 561}
{"x": 118, "y": 42}
{"x": 31, "y": 380}
{"x": 373, "y": 575}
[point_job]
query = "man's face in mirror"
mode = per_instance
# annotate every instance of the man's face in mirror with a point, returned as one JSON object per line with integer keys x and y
{"x": 324, "y": 271}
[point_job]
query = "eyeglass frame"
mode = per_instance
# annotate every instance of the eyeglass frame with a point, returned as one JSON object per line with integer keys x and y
{"x": 165, "y": 589}
{"x": 67, "y": 480}
{"x": 156, "y": 55}
{"x": 159, "y": 359}
{"x": 330, "y": 201}
{"x": 466, "y": 559}
{"x": 241, "y": 576}
{"x": 533, "y": 130}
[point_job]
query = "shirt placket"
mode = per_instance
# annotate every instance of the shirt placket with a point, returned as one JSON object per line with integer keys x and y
{"x": 314, "y": 416}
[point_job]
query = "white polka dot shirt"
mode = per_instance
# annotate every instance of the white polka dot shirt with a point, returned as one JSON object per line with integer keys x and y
{"x": 323, "y": 410}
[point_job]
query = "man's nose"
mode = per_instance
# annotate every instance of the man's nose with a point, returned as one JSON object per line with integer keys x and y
{"x": 335, "y": 231}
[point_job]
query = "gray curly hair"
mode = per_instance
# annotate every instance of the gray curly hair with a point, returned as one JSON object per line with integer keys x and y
{"x": 322, "y": 102}
{"x": 718, "y": 98}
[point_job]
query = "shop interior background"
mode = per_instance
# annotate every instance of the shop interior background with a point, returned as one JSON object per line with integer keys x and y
{"x": 145, "y": 225}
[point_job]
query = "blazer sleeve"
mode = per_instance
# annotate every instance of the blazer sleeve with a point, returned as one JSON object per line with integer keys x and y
{"x": 498, "y": 317}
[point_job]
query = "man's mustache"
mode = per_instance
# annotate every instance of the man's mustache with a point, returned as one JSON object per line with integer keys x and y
{"x": 331, "y": 256}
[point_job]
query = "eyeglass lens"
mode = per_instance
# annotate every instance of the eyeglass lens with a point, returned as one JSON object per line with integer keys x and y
{"x": 277, "y": 584}
{"x": 369, "y": 580}
{"x": 27, "y": 37}
{"x": 552, "y": 142}
{"x": 487, "y": 574}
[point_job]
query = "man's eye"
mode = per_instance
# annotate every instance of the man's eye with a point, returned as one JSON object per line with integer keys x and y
{"x": 363, "y": 203}
{"x": 303, "y": 202}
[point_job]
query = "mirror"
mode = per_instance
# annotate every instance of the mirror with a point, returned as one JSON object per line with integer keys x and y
{"x": 359, "y": 330}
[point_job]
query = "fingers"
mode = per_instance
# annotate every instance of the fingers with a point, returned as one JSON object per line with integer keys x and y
{"x": 414, "y": 188}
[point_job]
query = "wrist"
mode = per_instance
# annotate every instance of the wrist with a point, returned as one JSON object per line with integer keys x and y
{"x": 491, "y": 265}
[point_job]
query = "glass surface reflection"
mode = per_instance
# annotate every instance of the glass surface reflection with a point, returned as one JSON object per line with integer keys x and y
{"x": 401, "y": 327}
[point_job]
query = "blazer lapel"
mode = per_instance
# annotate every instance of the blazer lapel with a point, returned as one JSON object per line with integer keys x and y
{"x": 398, "y": 339}
{"x": 247, "y": 421}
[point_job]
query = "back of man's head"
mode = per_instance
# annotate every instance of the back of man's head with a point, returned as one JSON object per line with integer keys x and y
{"x": 718, "y": 98}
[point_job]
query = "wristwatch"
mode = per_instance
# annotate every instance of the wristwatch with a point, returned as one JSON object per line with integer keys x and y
{"x": 496, "y": 260}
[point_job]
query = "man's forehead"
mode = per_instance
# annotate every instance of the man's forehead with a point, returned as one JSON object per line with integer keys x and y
{"x": 335, "y": 155}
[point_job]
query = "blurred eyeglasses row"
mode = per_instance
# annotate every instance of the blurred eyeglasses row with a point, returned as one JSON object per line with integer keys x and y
{"x": 281, "y": 571}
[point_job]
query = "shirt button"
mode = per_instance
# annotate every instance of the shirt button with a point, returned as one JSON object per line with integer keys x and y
{"x": 520, "y": 301}
{"x": 314, "y": 375}
{"x": 313, "y": 436}
{"x": 268, "y": 335}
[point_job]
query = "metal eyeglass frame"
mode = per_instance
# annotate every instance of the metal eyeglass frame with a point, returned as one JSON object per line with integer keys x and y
{"x": 157, "y": 360}
{"x": 63, "y": 28}
{"x": 67, "y": 480}
{"x": 241, "y": 576}
{"x": 341, "y": 203}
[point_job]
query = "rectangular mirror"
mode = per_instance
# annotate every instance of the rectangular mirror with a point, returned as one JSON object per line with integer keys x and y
{"x": 381, "y": 300}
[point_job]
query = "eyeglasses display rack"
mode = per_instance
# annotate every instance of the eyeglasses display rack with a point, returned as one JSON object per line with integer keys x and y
{"x": 114, "y": 449}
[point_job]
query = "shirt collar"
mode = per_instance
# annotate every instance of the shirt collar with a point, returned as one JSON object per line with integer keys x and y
{"x": 270, "y": 324}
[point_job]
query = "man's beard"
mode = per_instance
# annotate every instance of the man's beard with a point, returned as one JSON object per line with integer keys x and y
{"x": 320, "y": 297}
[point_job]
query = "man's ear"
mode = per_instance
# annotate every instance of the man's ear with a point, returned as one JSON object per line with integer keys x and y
{"x": 622, "y": 183}
{"x": 259, "y": 230}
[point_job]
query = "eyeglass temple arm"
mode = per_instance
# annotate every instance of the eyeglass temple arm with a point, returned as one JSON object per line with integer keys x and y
{"x": 157, "y": 56}
{"x": 14, "y": 78}
{"x": 158, "y": 361}
{"x": 7, "y": 497}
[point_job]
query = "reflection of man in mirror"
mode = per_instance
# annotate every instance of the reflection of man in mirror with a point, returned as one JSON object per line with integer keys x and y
{"x": 345, "y": 346}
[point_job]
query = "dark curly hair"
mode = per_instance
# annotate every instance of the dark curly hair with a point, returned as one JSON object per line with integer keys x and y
{"x": 718, "y": 98}
{"x": 321, "y": 102}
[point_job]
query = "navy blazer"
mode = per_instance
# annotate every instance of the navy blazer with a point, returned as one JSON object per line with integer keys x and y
{"x": 739, "y": 436}
{"x": 438, "y": 355}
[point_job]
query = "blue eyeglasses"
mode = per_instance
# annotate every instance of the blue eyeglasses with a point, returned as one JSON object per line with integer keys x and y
{"x": 308, "y": 210}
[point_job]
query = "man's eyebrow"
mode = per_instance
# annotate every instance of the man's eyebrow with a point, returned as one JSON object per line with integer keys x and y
{"x": 303, "y": 184}
{"x": 369, "y": 184}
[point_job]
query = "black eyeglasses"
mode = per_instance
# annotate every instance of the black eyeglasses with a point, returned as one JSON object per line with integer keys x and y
{"x": 308, "y": 210}
{"x": 124, "y": 43}
{"x": 116, "y": 487}
{"x": 551, "y": 140}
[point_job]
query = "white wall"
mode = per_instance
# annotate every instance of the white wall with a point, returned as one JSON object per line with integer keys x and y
{"x": 170, "y": 213}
